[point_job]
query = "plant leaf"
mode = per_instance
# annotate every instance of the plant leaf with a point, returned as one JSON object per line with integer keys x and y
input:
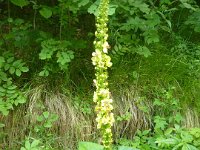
{"x": 89, "y": 146}
{"x": 18, "y": 72}
{"x": 46, "y": 114}
{"x": 126, "y": 148}
{"x": 83, "y": 3}
{"x": 35, "y": 143}
{"x": 46, "y": 12}
{"x": 20, "y": 3}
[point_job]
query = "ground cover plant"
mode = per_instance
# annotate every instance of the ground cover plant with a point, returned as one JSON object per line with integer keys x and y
{"x": 99, "y": 74}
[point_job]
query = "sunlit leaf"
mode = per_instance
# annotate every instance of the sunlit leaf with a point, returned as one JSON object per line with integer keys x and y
{"x": 45, "y": 12}
{"x": 20, "y": 3}
{"x": 89, "y": 146}
{"x": 83, "y": 3}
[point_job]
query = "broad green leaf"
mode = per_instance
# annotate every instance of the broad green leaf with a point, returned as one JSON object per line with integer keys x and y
{"x": 18, "y": 72}
{"x": 40, "y": 118}
{"x": 165, "y": 2}
{"x": 17, "y": 63}
{"x": 2, "y": 61}
{"x": 46, "y": 114}
{"x": 189, "y": 147}
{"x": 3, "y": 76}
{"x": 89, "y": 146}
{"x": 126, "y": 148}
{"x": 10, "y": 60}
{"x": 18, "y": 21}
{"x": 93, "y": 9}
{"x": 112, "y": 9}
{"x": 186, "y": 5}
{"x": 6, "y": 66}
{"x": 11, "y": 91}
{"x": 166, "y": 142}
{"x": 3, "y": 109}
{"x": 145, "y": 132}
{"x": 64, "y": 57}
{"x": 10, "y": 20}
{"x": 142, "y": 6}
{"x": 34, "y": 148}
{"x": 157, "y": 102}
{"x": 178, "y": 117}
{"x": 9, "y": 105}
{"x": 168, "y": 131}
{"x": 20, "y": 3}
{"x": 35, "y": 143}
{"x": 160, "y": 123}
{"x": 12, "y": 70}
{"x": 2, "y": 125}
{"x": 45, "y": 54}
{"x": 27, "y": 145}
{"x": 46, "y": 12}
{"x": 151, "y": 36}
{"x": 2, "y": 90}
{"x": 5, "y": 112}
{"x": 48, "y": 124}
{"x": 83, "y": 3}
{"x": 21, "y": 100}
{"x": 53, "y": 118}
{"x": 143, "y": 50}
{"x": 44, "y": 73}
{"x": 24, "y": 69}
{"x": 186, "y": 137}
{"x": 14, "y": 95}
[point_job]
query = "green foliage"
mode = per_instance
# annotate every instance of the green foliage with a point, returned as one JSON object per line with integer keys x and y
{"x": 124, "y": 117}
{"x": 18, "y": 38}
{"x": 167, "y": 133}
{"x": 93, "y": 9}
{"x": 195, "y": 132}
{"x": 10, "y": 95}
{"x": 83, "y": 105}
{"x": 193, "y": 21}
{"x": 40, "y": 135}
{"x": 34, "y": 145}
{"x": 20, "y": 3}
{"x": 89, "y": 145}
{"x": 46, "y": 12}
{"x": 154, "y": 46}
{"x": 172, "y": 138}
{"x": 59, "y": 50}
{"x": 45, "y": 121}
{"x": 126, "y": 148}
{"x": 9, "y": 64}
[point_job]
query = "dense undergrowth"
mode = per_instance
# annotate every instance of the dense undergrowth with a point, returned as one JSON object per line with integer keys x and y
{"x": 46, "y": 74}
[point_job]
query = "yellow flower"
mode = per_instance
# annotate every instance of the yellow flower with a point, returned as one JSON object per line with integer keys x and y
{"x": 102, "y": 61}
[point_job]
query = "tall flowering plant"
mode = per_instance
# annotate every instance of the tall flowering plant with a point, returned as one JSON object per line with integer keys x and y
{"x": 102, "y": 61}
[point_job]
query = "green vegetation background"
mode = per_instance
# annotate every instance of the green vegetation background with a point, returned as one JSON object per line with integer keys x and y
{"x": 46, "y": 73}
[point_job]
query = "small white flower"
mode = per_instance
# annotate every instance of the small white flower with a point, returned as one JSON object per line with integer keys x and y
{"x": 105, "y": 50}
{"x": 94, "y": 54}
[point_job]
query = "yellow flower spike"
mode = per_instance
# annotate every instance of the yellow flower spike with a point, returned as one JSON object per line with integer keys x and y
{"x": 102, "y": 61}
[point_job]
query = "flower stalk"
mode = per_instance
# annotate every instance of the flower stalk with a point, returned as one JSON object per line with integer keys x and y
{"x": 102, "y": 61}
